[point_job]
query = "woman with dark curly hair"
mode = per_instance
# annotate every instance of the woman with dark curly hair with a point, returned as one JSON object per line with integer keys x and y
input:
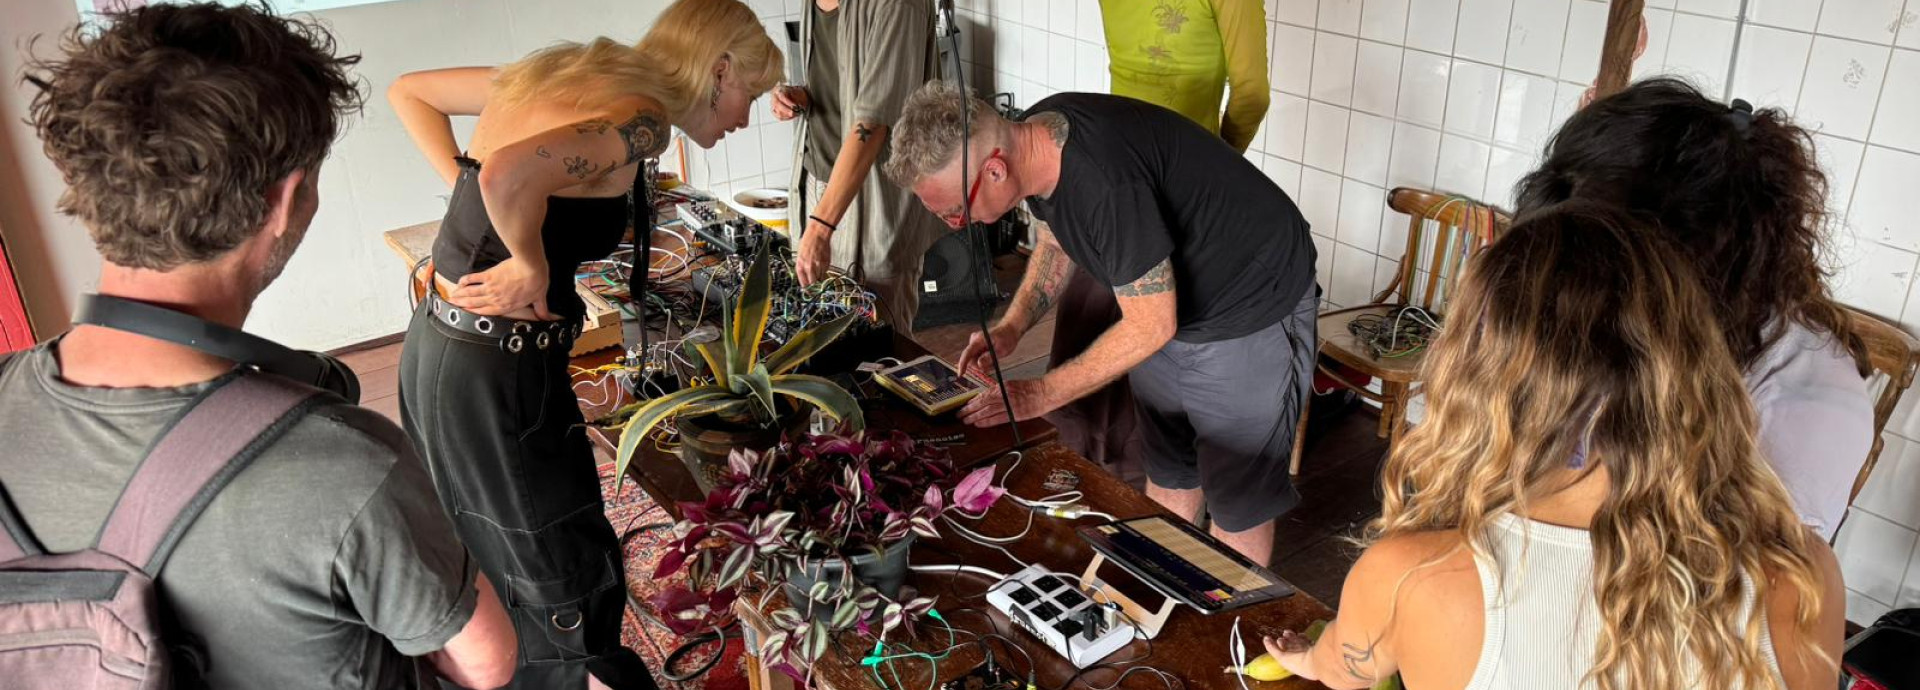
{"x": 1741, "y": 192}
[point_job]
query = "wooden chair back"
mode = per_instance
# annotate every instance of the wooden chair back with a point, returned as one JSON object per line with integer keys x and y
{"x": 1443, "y": 234}
{"x": 1895, "y": 357}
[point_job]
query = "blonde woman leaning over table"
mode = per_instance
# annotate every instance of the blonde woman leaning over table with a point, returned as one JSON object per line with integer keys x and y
{"x": 547, "y": 182}
{"x": 1584, "y": 505}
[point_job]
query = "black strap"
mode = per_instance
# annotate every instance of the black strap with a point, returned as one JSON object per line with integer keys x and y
{"x": 107, "y": 311}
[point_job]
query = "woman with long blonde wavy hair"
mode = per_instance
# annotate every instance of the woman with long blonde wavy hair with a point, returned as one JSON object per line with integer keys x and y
{"x": 1584, "y": 504}
{"x": 549, "y": 179}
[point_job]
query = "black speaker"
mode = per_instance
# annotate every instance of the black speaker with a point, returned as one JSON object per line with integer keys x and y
{"x": 956, "y": 279}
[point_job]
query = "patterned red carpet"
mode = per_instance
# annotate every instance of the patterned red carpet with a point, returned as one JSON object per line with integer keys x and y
{"x": 630, "y": 510}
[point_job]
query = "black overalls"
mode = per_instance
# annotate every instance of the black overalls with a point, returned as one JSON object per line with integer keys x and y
{"x": 490, "y": 405}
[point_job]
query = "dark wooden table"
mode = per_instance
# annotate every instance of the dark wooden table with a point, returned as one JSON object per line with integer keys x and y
{"x": 1192, "y": 646}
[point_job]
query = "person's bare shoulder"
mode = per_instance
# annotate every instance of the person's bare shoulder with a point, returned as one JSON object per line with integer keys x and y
{"x": 1438, "y": 615}
{"x": 1808, "y": 658}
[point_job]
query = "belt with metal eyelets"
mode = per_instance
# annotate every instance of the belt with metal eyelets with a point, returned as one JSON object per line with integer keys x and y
{"x": 515, "y": 335}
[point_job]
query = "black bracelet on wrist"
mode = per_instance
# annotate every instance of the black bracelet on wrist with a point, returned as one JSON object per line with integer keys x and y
{"x": 830, "y": 226}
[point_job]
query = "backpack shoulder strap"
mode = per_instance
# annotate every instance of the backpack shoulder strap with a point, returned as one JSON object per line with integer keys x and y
{"x": 216, "y": 439}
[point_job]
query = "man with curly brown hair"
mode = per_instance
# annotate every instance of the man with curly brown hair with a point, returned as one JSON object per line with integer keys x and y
{"x": 191, "y": 138}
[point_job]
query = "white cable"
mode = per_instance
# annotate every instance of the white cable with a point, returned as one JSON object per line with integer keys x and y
{"x": 958, "y": 568}
{"x": 1237, "y": 651}
{"x": 982, "y": 540}
{"x": 658, "y": 272}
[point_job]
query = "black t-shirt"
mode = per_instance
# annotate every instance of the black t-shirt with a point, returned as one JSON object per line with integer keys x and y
{"x": 1140, "y": 183}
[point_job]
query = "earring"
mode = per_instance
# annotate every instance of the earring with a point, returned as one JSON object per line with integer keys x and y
{"x": 714, "y": 102}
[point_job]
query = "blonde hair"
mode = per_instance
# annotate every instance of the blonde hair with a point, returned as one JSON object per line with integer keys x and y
{"x": 1578, "y": 331}
{"x": 672, "y": 64}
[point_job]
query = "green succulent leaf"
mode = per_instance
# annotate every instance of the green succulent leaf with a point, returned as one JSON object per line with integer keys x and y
{"x": 824, "y": 394}
{"x": 805, "y": 344}
{"x": 650, "y": 415}
{"x": 720, "y": 407}
{"x": 619, "y": 416}
{"x": 760, "y": 386}
{"x": 718, "y": 354}
{"x": 750, "y": 317}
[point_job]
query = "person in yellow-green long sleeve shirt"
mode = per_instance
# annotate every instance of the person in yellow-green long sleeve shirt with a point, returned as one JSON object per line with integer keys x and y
{"x": 1184, "y": 54}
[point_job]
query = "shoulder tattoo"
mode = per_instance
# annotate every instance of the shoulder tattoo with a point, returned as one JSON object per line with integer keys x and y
{"x": 645, "y": 136}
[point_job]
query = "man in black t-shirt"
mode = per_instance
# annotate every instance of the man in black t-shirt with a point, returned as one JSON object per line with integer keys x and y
{"x": 1211, "y": 264}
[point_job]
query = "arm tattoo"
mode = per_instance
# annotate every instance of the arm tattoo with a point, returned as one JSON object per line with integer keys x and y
{"x": 543, "y": 152}
{"x": 1051, "y": 269}
{"x": 863, "y": 130}
{"x": 593, "y": 126}
{"x": 580, "y": 167}
{"x": 1155, "y": 281}
{"x": 1352, "y": 656}
{"x": 645, "y": 136}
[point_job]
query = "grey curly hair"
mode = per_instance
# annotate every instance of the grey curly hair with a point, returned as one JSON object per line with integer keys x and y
{"x": 926, "y": 139}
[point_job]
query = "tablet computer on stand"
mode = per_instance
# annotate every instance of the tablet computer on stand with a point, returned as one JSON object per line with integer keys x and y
{"x": 1180, "y": 562}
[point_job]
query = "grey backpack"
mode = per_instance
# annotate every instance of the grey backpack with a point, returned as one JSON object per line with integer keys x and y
{"x": 93, "y": 618}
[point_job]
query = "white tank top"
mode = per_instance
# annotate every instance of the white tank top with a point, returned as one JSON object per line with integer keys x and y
{"x": 1541, "y": 619}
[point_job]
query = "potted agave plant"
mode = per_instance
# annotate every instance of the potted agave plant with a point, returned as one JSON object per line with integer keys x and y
{"x": 752, "y": 401}
{"x": 801, "y": 516}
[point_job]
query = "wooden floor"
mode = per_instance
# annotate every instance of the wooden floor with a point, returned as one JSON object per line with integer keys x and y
{"x": 1338, "y": 474}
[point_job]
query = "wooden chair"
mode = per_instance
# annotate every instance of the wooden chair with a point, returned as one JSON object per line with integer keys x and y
{"x": 1443, "y": 234}
{"x": 1895, "y": 357}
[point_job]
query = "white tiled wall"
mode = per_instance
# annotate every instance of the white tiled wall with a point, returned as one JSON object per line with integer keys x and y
{"x": 760, "y": 155}
{"x": 1849, "y": 70}
{"x": 1461, "y": 96}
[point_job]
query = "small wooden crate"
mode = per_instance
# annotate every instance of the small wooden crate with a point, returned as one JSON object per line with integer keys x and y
{"x": 602, "y": 330}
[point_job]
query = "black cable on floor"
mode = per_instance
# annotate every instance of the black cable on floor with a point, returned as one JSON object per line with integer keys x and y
{"x": 691, "y": 645}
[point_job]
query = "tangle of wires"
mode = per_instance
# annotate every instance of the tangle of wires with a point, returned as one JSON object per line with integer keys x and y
{"x": 1400, "y": 332}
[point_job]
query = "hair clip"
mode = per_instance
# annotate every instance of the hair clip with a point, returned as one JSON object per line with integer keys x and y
{"x": 1741, "y": 115}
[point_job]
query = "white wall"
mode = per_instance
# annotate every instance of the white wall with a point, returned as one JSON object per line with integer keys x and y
{"x": 344, "y": 286}
{"x": 52, "y": 257}
{"x": 1460, "y": 96}
{"x": 1850, "y": 70}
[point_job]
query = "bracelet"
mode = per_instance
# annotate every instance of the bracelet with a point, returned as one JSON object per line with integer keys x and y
{"x": 830, "y": 226}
